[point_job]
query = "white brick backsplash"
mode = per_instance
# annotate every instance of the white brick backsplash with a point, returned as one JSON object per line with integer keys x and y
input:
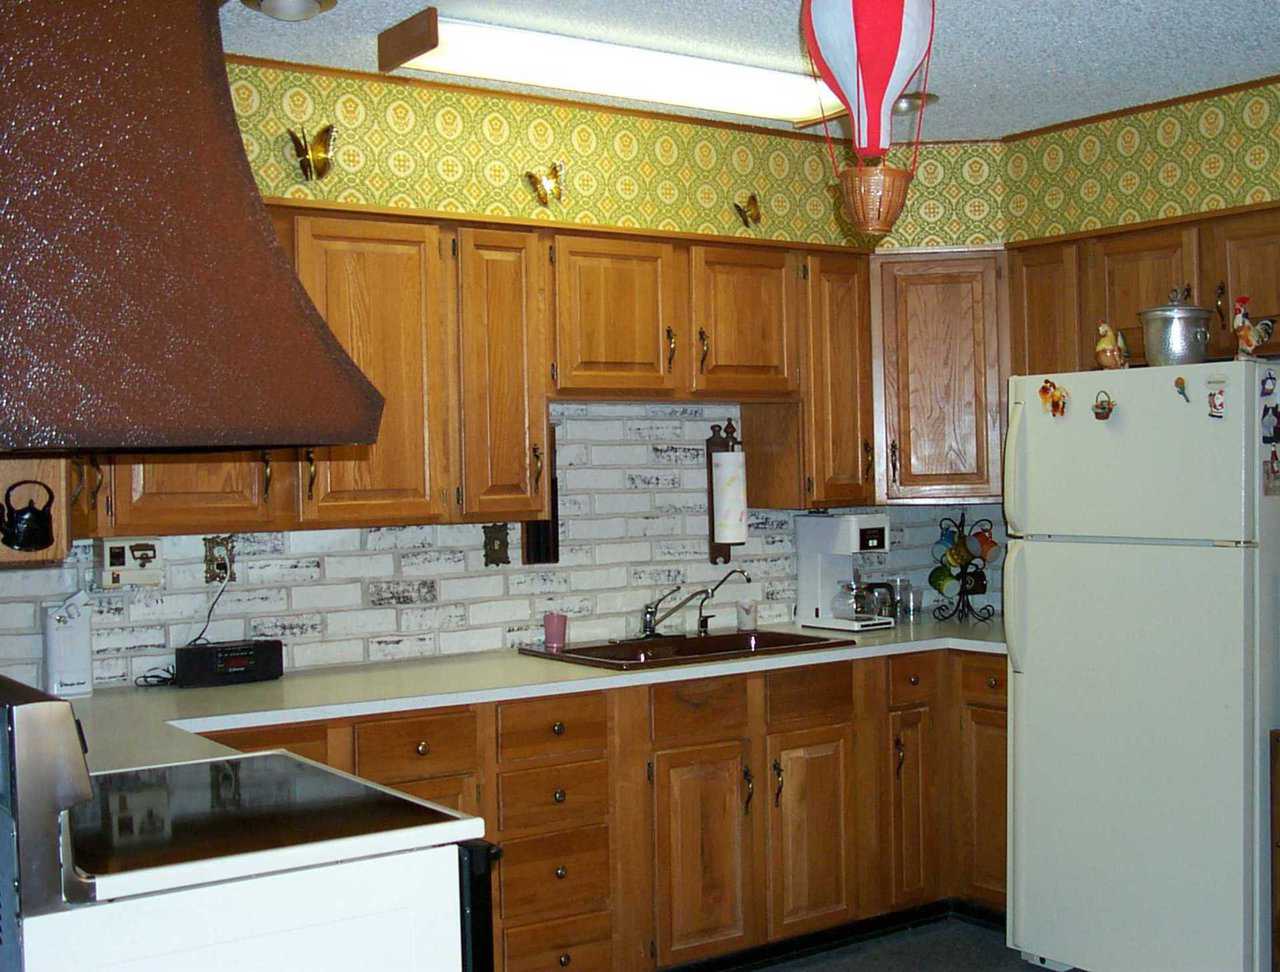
{"x": 633, "y": 525}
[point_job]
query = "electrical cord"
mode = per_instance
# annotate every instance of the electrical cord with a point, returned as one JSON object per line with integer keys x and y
{"x": 164, "y": 674}
{"x": 200, "y": 638}
{"x": 160, "y": 675}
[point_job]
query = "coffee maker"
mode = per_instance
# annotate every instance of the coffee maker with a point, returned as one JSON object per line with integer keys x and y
{"x": 826, "y": 545}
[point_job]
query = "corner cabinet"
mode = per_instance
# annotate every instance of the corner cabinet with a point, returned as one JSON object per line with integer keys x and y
{"x": 942, "y": 371}
{"x": 381, "y": 287}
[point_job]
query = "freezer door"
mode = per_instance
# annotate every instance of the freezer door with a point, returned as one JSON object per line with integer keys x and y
{"x": 1130, "y": 757}
{"x": 1160, "y": 466}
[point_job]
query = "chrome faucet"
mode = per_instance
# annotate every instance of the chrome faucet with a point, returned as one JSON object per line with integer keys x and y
{"x": 704, "y": 620}
{"x": 649, "y": 623}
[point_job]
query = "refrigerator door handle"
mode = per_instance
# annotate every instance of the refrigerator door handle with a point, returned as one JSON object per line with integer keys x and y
{"x": 1012, "y": 472}
{"x": 1013, "y": 596}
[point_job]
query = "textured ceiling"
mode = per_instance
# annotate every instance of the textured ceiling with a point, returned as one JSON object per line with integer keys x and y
{"x": 1000, "y": 66}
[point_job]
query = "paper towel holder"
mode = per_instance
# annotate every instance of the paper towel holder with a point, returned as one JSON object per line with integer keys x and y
{"x": 722, "y": 439}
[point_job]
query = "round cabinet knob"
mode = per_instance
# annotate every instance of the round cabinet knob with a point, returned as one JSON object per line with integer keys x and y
{"x": 557, "y": 728}
{"x": 558, "y": 796}
{"x": 422, "y": 748}
{"x": 561, "y": 873}
{"x": 565, "y": 960}
{"x": 993, "y": 682}
{"x": 914, "y": 679}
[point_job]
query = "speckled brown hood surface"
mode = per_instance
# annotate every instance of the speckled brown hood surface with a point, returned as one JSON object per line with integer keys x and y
{"x": 144, "y": 300}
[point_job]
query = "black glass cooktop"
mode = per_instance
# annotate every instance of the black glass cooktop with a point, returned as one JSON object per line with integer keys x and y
{"x": 197, "y": 811}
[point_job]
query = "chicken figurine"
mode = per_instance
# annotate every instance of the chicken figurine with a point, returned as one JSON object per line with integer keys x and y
{"x": 1250, "y": 334}
{"x": 1111, "y": 351}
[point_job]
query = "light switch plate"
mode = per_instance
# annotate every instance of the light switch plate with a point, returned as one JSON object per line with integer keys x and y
{"x": 129, "y": 560}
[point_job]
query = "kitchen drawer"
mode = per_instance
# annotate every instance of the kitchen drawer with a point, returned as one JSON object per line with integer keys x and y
{"x": 702, "y": 709}
{"x": 984, "y": 679}
{"x": 582, "y": 944}
{"x": 455, "y": 792}
{"x": 568, "y": 795}
{"x": 560, "y": 727}
{"x": 819, "y": 695}
{"x": 396, "y": 750}
{"x": 556, "y": 875}
{"x": 914, "y": 678}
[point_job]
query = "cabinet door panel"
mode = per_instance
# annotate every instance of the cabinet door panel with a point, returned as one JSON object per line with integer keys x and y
{"x": 811, "y": 873}
{"x": 838, "y": 382}
{"x": 504, "y": 373}
{"x": 984, "y": 748}
{"x": 942, "y": 377}
{"x": 1131, "y": 272}
{"x": 379, "y": 286}
{"x": 913, "y": 820}
{"x": 1045, "y": 330}
{"x": 703, "y": 874}
{"x": 616, "y": 327}
{"x": 745, "y": 320}
{"x": 214, "y": 492}
{"x": 1242, "y": 254}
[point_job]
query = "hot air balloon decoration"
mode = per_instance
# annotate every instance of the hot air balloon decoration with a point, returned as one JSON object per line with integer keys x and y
{"x": 868, "y": 52}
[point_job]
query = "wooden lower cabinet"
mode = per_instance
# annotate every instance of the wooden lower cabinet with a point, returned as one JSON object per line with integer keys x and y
{"x": 704, "y": 798}
{"x": 582, "y": 944}
{"x": 984, "y": 743}
{"x": 810, "y": 848}
{"x": 913, "y": 820}
{"x": 461, "y": 793}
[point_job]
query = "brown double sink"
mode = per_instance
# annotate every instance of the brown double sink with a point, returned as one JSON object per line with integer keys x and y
{"x": 680, "y": 650}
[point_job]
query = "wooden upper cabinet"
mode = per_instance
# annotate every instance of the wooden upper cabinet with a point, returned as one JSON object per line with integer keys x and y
{"x": 209, "y": 492}
{"x": 1045, "y": 330}
{"x": 381, "y": 287}
{"x": 617, "y": 328}
{"x": 703, "y": 880}
{"x": 942, "y": 374}
{"x": 1130, "y": 272}
{"x": 839, "y": 448}
{"x": 505, "y": 344}
{"x": 745, "y": 326}
{"x": 1240, "y": 255}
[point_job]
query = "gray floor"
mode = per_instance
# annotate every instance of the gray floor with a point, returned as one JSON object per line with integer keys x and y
{"x": 944, "y": 946}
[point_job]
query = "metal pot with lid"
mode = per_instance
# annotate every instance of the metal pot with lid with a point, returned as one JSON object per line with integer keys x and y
{"x": 1177, "y": 332}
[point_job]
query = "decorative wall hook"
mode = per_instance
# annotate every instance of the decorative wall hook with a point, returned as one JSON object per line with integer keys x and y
{"x": 547, "y": 187}
{"x": 748, "y": 212}
{"x": 314, "y": 155}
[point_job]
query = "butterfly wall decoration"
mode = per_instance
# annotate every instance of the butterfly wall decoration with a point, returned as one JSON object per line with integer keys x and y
{"x": 547, "y": 187}
{"x": 748, "y": 212}
{"x": 314, "y": 155}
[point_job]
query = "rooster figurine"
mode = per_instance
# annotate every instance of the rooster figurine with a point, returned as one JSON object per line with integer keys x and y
{"x": 1111, "y": 352}
{"x": 1250, "y": 335}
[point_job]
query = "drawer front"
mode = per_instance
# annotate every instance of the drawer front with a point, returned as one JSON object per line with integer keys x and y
{"x": 705, "y": 708}
{"x": 580, "y": 944}
{"x": 984, "y": 679}
{"x": 397, "y": 750}
{"x": 820, "y": 695}
{"x": 570, "y": 795}
{"x": 455, "y": 792}
{"x": 914, "y": 678}
{"x": 561, "y": 727}
{"x": 555, "y": 876}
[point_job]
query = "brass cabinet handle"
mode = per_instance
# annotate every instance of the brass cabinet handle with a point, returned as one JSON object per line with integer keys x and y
{"x": 423, "y": 748}
{"x": 78, "y": 465}
{"x": 914, "y": 679}
{"x": 671, "y": 348}
{"x": 1220, "y": 302}
{"x": 98, "y": 480}
{"x": 557, "y": 728}
{"x": 868, "y": 459}
{"x": 893, "y": 459}
{"x": 993, "y": 682}
{"x": 751, "y": 788}
{"x": 901, "y": 752}
{"x": 777, "y": 771}
{"x": 311, "y": 474}
{"x": 706, "y": 350}
{"x": 565, "y": 959}
{"x": 558, "y": 796}
{"x": 537, "y": 468}
{"x": 561, "y": 873}
{"x": 266, "y": 475}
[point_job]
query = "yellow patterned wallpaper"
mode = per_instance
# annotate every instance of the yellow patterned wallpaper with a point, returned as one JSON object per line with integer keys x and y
{"x": 416, "y": 147}
{"x": 1198, "y": 156}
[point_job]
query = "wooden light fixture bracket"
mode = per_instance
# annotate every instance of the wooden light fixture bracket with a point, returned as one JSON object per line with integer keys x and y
{"x": 408, "y": 39}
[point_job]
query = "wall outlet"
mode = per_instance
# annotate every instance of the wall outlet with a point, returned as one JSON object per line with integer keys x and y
{"x": 129, "y": 560}
{"x": 219, "y": 558}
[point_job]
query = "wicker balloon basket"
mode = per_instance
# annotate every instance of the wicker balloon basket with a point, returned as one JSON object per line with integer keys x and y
{"x": 875, "y": 194}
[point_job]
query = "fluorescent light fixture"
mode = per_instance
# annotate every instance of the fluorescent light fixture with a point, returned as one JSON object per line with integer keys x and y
{"x": 471, "y": 50}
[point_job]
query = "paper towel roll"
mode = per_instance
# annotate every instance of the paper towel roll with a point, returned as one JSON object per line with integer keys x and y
{"x": 729, "y": 482}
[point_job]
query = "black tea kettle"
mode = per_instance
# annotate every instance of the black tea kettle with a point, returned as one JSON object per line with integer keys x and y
{"x": 30, "y": 528}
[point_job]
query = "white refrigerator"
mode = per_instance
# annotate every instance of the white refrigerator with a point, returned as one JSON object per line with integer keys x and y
{"x": 1140, "y": 604}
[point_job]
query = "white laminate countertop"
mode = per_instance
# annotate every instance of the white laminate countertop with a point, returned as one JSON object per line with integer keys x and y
{"x": 129, "y": 728}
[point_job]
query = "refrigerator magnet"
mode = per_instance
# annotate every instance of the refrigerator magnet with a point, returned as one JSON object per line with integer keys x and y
{"x": 1217, "y": 397}
{"x": 1103, "y": 406}
{"x": 1269, "y": 384}
{"x": 1053, "y": 398}
{"x": 1180, "y": 386}
{"x": 1270, "y": 423}
{"x": 1271, "y": 474}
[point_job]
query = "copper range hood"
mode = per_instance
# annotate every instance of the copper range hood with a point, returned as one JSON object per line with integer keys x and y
{"x": 144, "y": 300}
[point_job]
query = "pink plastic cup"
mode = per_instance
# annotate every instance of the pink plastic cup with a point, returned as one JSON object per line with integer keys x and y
{"x": 553, "y": 626}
